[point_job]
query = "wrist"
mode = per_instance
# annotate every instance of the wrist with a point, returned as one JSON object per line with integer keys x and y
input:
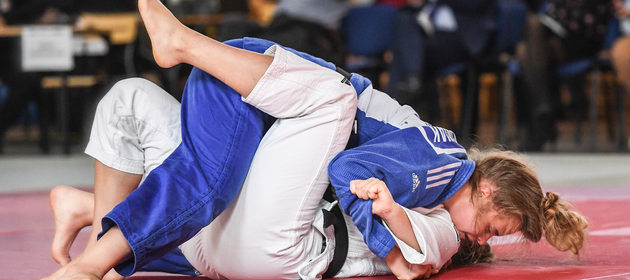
{"x": 393, "y": 255}
{"x": 392, "y": 212}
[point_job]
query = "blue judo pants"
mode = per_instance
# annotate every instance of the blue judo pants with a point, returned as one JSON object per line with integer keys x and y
{"x": 220, "y": 134}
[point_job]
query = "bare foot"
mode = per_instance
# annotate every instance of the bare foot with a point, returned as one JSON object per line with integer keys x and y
{"x": 70, "y": 272}
{"x": 164, "y": 30}
{"x": 57, "y": 273}
{"x": 113, "y": 275}
{"x": 73, "y": 210}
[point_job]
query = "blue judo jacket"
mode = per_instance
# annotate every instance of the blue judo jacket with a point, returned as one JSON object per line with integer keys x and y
{"x": 421, "y": 164}
{"x": 416, "y": 173}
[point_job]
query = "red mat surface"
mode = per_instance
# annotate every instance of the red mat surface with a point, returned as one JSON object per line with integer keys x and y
{"x": 27, "y": 229}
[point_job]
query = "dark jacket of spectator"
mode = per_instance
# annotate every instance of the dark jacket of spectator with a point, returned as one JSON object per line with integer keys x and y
{"x": 17, "y": 12}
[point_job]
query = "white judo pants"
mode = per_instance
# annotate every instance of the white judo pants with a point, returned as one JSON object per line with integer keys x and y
{"x": 267, "y": 232}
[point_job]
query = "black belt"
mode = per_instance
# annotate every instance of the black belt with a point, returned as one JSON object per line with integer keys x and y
{"x": 345, "y": 74}
{"x": 335, "y": 218}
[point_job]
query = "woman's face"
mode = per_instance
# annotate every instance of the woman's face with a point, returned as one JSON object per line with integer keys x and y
{"x": 479, "y": 227}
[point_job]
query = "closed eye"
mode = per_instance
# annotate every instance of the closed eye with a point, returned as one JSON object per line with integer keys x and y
{"x": 489, "y": 231}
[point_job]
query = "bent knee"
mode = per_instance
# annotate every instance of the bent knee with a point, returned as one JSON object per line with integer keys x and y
{"x": 121, "y": 89}
{"x": 133, "y": 92}
{"x": 130, "y": 86}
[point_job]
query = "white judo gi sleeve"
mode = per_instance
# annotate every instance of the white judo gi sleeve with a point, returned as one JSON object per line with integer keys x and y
{"x": 436, "y": 235}
{"x": 434, "y": 231}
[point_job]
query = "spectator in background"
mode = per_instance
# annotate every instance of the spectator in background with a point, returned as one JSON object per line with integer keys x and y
{"x": 258, "y": 15}
{"x": 620, "y": 52}
{"x": 394, "y": 3}
{"x": 309, "y": 26}
{"x": 558, "y": 31}
{"x": 326, "y": 13}
{"x": 23, "y": 86}
{"x": 431, "y": 35}
{"x": 21, "y": 12}
{"x": 109, "y": 6}
{"x": 534, "y": 111}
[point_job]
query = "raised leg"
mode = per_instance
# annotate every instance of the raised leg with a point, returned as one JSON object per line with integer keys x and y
{"x": 174, "y": 43}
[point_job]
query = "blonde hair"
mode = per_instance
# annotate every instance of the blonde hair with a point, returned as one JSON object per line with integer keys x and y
{"x": 471, "y": 253}
{"x": 518, "y": 195}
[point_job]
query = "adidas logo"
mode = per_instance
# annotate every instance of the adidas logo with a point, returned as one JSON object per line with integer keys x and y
{"x": 416, "y": 182}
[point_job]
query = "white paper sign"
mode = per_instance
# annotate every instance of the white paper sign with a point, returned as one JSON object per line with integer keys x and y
{"x": 47, "y": 48}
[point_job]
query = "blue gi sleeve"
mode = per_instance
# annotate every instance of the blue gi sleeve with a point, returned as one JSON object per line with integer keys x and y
{"x": 342, "y": 170}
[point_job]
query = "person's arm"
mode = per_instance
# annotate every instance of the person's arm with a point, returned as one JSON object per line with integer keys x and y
{"x": 344, "y": 169}
{"x": 384, "y": 206}
{"x": 436, "y": 235}
{"x": 425, "y": 236}
{"x": 404, "y": 270}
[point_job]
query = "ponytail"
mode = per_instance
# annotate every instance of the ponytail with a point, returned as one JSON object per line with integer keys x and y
{"x": 564, "y": 229}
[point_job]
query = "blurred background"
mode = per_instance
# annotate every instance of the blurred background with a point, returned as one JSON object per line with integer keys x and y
{"x": 532, "y": 76}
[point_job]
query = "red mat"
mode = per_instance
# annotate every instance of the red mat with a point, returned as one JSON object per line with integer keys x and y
{"x": 27, "y": 229}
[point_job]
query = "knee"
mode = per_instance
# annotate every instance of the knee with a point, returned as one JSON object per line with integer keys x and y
{"x": 126, "y": 86}
{"x": 122, "y": 87}
{"x": 126, "y": 92}
{"x": 131, "y": 82}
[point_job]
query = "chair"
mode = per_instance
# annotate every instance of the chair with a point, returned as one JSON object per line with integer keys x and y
{"x": 577, "y": 70}
{"x": 96, "y": 35}
{"x": 511, "y": 19}
{"x": 614, "y": 32}
{"x": 121, "y": 29}
{"x": 368, "y": 33}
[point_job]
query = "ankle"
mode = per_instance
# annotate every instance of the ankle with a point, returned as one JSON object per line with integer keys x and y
{"x": 80, "y": 269}
{"x": 182, "y": 44}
